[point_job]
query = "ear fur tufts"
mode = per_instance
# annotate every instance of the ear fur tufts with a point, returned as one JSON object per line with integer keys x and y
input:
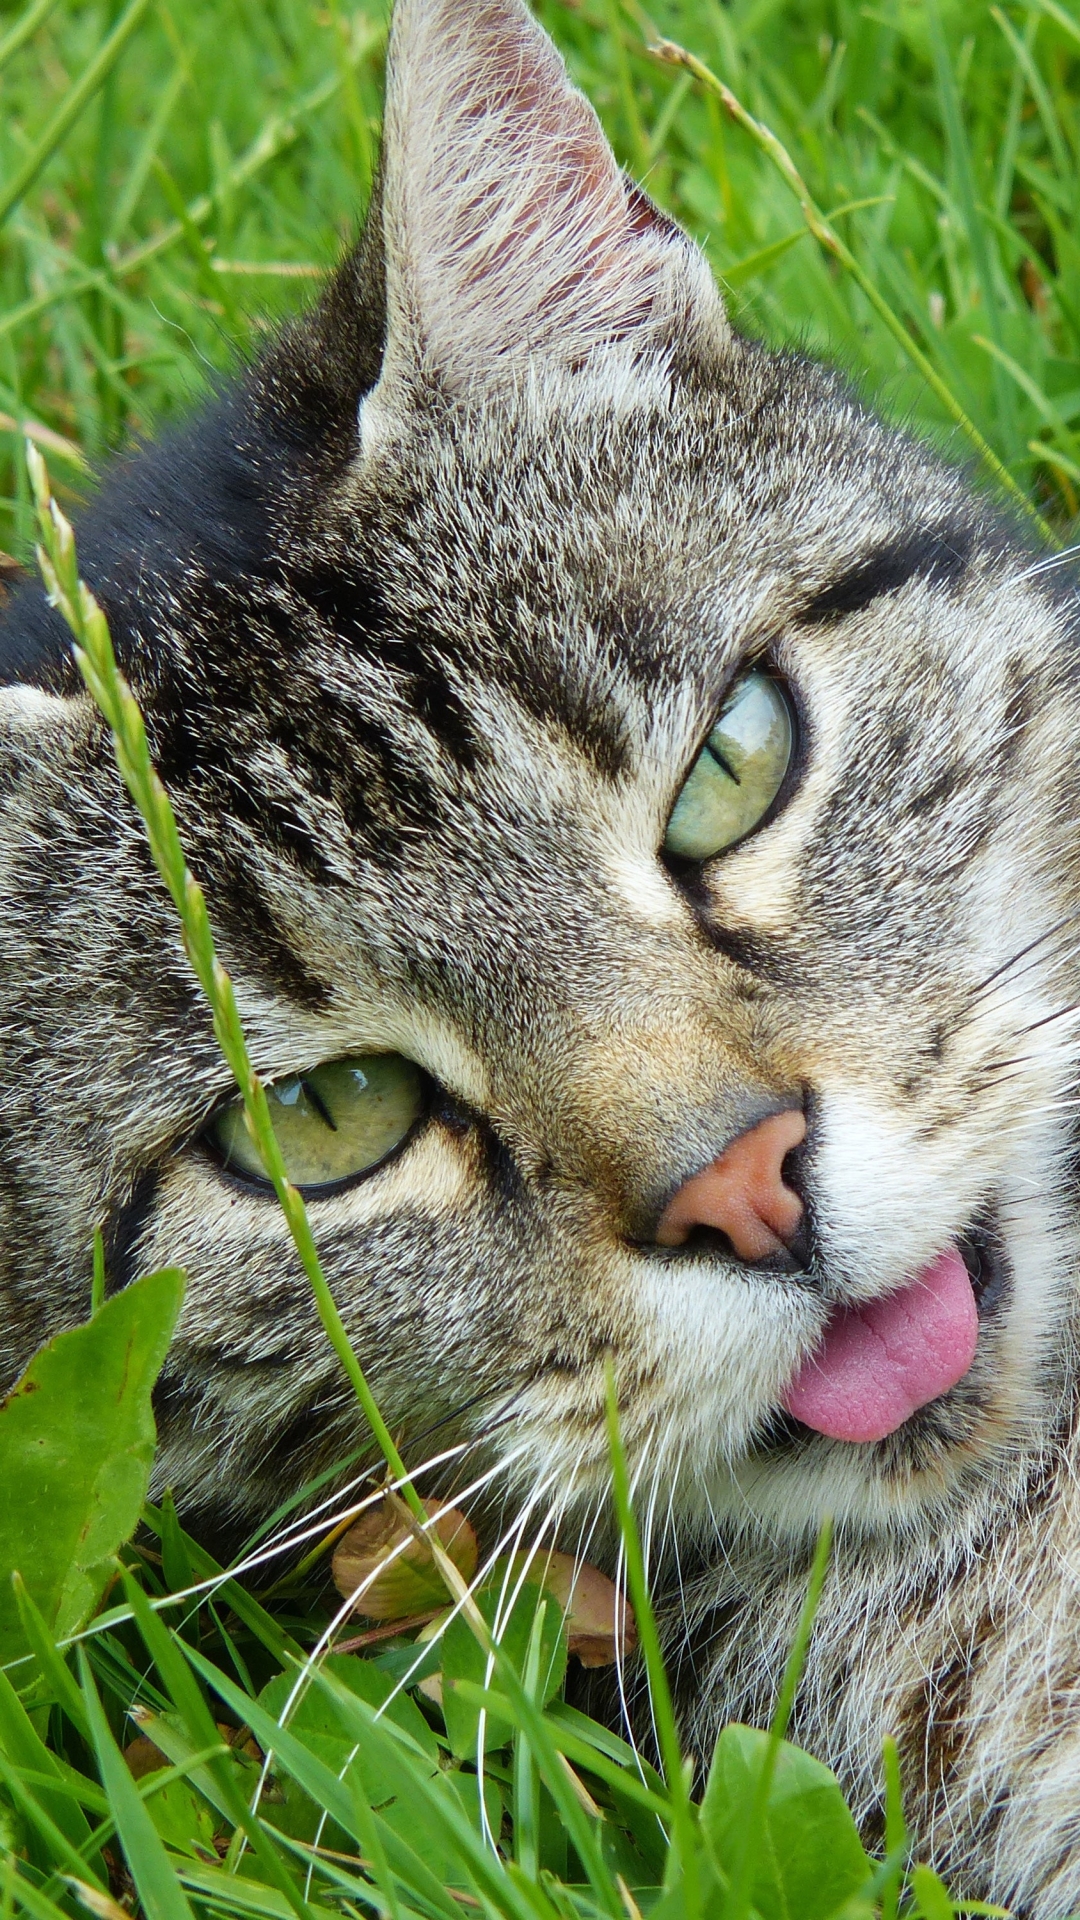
{"x": 512, "y": 238}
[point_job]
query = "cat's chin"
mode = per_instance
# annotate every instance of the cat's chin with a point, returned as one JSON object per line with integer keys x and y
{"x": 746, "y": 1462}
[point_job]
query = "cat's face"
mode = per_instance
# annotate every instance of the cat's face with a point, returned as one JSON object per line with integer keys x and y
{"x": 426, "y": 704}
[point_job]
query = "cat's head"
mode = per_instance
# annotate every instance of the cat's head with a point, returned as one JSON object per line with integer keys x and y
{"x": 666, "y": 771}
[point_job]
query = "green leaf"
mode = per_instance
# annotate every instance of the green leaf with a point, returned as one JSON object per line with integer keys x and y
{"x": 933, "y": 1901}
{"x": 463, "y": 1658}
{"x": 180, "y": 1815}
{"x": 315, "y": 1721}
{"x": 76, "y": 1442}
{"x": 392, "y": 1746}
{"x": 807, "y": 1858}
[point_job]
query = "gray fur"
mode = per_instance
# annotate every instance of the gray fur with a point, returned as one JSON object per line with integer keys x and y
{"x": 424, "y": 704}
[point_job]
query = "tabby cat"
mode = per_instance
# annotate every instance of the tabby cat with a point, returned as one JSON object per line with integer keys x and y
{"x": 637, "y": 797}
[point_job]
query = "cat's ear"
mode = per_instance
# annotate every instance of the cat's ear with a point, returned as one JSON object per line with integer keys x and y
{"x": 511, "y": 236}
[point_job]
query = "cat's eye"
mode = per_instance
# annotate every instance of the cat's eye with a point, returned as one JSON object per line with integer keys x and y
{"x": 738, "y": 773}
{"x": 338, "y": 1121}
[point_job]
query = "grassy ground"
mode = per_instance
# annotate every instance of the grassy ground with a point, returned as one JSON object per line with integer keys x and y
{"x": 175, "y": 176}
{"x": 218, "y": 164}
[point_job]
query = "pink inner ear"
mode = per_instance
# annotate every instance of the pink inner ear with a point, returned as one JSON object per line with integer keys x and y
{"x": 510, "y": 229}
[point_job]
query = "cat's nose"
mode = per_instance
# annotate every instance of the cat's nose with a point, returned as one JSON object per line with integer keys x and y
{"x": 743, "y": 1193}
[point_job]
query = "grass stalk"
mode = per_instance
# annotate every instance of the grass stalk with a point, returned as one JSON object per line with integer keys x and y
{"x": 683, "y": 1822}
{"x": 737, "y": 1906}
{"x": 24, "y": 29}
{"x": 107, "y": 686}
{"x": 71, "y": 106}
{"x": 672, "y": 54}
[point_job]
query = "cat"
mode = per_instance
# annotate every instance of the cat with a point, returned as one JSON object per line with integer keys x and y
{"x": 636, "y": 793}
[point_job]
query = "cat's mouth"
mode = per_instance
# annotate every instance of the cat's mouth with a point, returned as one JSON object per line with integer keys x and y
{"x": 877, "y": 1364}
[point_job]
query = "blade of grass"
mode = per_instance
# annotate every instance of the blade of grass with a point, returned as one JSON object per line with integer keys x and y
{"x": 56, "y": 1673}
{"x": 96, "y": 660}
{"x": 960, "y": 155}
{"x": 160, "y": 1892}
{"x": 164, "y": 1649}
{"x": 737, "y": 1906}
{"x": 1021, "y": 51}
{"x": 672, "y": 54}
{"x": 526, "y": 1814}
{"x": 139, "y": 171}
{"x": 683, "y": 1829}
{"x": 1032, "y": 389}
{"x": 23, "y": 1748}
{"x": 737, "y": 272}
{"x": 415, "y": 1879}
{"x": 57, "y": 1847}
{"x": 24, "y": 29}
{"x": 255, "y": 1617}
{"x": 224, "y": 1892}
{"x": 33, "y": 1900}
{"x": 896, "y": 1839}
{"x": 1043, "y": 452}
{"x": 639, "y": 145}
{"x": 1064, "y": 20}
{"x": 71, "y": 106}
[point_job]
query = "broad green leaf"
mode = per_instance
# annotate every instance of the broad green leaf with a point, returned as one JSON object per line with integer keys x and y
{"x": 181, "y": 1815}
{"x": 315, "y": 1721}
{"x": 315, "y": 1717}
{"x": 292, "y": 1756}
{"x": 807, "y": 1858}
{"x": 76, "y": 1442}
{"x": 463, "y": 1658}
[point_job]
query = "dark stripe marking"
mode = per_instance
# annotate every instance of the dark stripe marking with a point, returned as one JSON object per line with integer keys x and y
{"x": 936, "y": 554}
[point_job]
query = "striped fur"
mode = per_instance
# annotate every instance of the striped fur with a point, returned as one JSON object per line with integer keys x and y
{"x": 429, "y": 615}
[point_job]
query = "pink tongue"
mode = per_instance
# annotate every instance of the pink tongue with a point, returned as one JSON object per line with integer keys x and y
{"x": 877, "y": 1363}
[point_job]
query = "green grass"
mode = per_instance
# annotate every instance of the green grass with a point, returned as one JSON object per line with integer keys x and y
{"x": 174, "y": 179}
{"x": 217, "y": 162}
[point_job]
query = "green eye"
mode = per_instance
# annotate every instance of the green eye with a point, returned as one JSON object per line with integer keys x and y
{"x": 738, "y": 773}
{"x": 333, "y": 1123}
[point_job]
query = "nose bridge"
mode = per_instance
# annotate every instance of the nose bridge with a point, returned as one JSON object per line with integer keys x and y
{"x": 639, "y": 1102}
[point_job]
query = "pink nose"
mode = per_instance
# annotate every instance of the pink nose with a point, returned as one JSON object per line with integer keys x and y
{"x": 742, "y": 1193}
